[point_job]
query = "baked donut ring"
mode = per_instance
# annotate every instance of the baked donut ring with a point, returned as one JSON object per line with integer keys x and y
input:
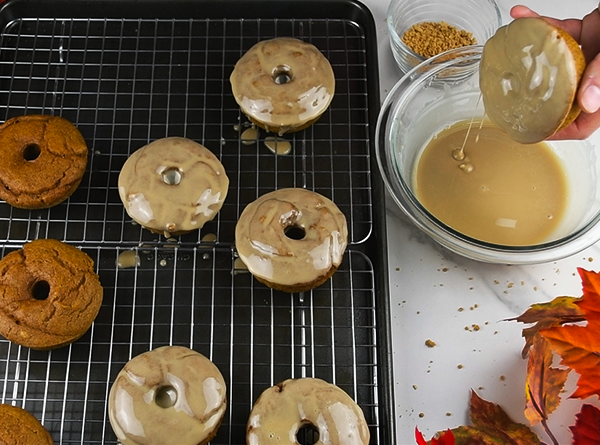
{"x": 171, "y": 394}
{"x": 20, "y": 427}
{"x": 283, "y": 84}
{"x": 529, "y": 75}
{"x": 291, "y": 239}
{"x": 173, "y": 186}
{"x": 49, "y": 294}
{"x": 42, "y": 161}
{"x": 283, "y": 410}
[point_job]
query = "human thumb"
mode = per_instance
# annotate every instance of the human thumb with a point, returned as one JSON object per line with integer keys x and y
{"x": 589, "y": 89}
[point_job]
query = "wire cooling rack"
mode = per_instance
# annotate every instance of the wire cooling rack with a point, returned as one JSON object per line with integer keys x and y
{"x": 126, "y": 73}
{"x": 127, "y": 82}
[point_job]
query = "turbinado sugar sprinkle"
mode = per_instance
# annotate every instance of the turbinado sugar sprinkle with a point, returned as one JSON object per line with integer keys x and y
{"x": 429, "y": 39}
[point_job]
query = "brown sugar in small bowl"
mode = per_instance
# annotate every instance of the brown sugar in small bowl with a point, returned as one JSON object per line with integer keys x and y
{"x": 446, "y": 24}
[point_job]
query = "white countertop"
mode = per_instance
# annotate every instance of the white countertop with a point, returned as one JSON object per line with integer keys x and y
{"x": 440, "y": 296}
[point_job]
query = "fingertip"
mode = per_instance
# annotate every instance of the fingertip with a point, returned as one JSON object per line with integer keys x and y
{"x": 588, "y": 95}
{"x": 520, "y": 11}
{"x": 589, "y": 99}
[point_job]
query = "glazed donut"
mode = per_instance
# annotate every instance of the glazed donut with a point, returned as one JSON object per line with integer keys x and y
{"x": 49, "y": 294}
{"x": 173, "y": 186}
{"x": 20, "y": 427}
{"x": 172, "y": 394}
{"x": 284, "y": 409}
{"x": 283, "y": 84}
{"x": 529, "y": 75}
{"x": 42, "y": 161}
{"x": 292, "y": 239}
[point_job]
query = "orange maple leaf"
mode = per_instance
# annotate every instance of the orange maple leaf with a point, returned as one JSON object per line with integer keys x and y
{"x": 579, "y": 346}
{"x": 557, "y": 312}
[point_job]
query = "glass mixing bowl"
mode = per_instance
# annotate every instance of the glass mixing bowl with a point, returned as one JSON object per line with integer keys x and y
{"x": 442, "y": 91}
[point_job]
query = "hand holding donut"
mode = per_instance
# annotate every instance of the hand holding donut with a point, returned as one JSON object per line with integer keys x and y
{"x": 587, "y": 32}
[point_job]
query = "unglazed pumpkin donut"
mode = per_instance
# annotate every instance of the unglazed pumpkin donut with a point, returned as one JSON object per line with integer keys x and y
{"x": 173, "y": 186}
{"x": 284, "y": 409}
{"x": 171, "y": 394}
{"x": 20, "y": 427}
{"x": 49, "y": 294}
{"x": 283, "y": 84}
{"x": 42, "y": 161}
{"x": 528, "y": 76}
{"x": 292, "y": 239}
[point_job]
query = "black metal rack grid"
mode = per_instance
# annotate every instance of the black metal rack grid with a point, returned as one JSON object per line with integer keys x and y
{"x": 195, "y": 297}
{"x": 126, "y": 81}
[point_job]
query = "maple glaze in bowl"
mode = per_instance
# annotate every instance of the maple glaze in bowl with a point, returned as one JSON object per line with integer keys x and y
{"x": 442, "y": 91}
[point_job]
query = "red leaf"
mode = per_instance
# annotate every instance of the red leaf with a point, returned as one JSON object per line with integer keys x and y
{"x": 444, "y": 438}
{"x": 420, "y": 439}
{"x": 586, "y": 430}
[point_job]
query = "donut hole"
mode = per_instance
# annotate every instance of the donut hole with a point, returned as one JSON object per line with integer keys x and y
{"x": 40, "y": 290}
{"x": 31, "y": 152}
{"x": 282, "y": 74}
{"x": 295, "y": 232}
{"x": 165, "y": 396}
{"x": 171, "y": 176}
{"x": 307, "y": 434}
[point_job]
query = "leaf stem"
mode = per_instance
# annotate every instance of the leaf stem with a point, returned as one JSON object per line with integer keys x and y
{"x": 548, "y": 432}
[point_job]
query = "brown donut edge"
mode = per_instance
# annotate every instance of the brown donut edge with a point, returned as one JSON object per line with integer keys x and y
{"x": 580, "y": 65}
{"x": 61, "y": 195}
{"x": 278, "y": 130}
{"x": 19, "y": 426}
{"x": 299, "y": 287}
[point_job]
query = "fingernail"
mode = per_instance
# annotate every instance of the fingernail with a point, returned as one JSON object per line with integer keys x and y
{"x": 590, "y": 99}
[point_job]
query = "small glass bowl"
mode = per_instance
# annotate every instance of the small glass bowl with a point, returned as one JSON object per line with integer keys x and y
{"x": 442, "y": 91}
{"x": 480, "y": 17}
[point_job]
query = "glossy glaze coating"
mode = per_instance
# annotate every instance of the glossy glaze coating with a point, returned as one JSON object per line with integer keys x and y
{"x": 529, "y": 75}
{"x": 284, "y": 409}
{"x": 291, "y": 238}
{"x": 283, "y": 84}
{"x": 173, "y": 185}
{"x": 171, "y": 394}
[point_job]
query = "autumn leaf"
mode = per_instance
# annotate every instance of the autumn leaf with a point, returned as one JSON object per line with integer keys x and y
{"x": 444, "y": 438}
{"x": 586, "y": 430}
{"x": 557, "y": 312}
{"x": 491, "y": 426}
{"x": 543, "y": 383}
{"x": 579, "y": 346}
{"x": 420, "y": 439}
